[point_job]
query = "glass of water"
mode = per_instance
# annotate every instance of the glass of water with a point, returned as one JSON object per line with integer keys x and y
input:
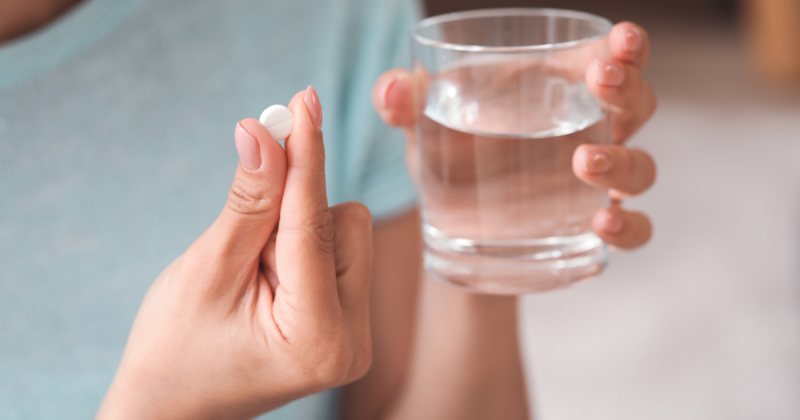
{"x": 502, "y": 107}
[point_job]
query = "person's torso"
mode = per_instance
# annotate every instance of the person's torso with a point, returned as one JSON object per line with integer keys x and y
{"x": 114, "y": 160}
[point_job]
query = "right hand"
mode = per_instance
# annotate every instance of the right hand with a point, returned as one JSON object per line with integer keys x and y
{"x": 258, "y": 312}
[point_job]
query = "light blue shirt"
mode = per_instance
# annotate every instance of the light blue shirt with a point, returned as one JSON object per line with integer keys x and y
{"x": 116, "y": 152}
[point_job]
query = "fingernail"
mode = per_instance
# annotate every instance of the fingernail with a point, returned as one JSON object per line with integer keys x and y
{"x": 385, "y": 94}
{"x": 632, "y": 41}
{"x": 609, "y": 73}
{"x": 597, "y": 162}
{"x": 612, "y": 223}
{"x": 313, "y": 106}
{"x": 247, "y": 147}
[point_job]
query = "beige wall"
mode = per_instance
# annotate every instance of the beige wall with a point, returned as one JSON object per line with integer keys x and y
{"x": 617, "y": 7}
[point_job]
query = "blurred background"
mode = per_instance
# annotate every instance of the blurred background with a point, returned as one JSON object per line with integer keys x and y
{"x": 704, "y": 322}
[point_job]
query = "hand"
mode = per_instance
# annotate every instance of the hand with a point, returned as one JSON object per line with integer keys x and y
{"x": 270, "y": 304}
{"x": 620, "y": 170}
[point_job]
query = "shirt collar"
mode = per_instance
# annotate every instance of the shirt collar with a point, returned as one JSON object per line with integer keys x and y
{"x": 61, "y": 40}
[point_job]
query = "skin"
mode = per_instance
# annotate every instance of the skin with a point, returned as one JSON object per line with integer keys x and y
{"x": 258, "y": 313}
{"x": 20, "y": 17}
{"x": 465, "y": 362}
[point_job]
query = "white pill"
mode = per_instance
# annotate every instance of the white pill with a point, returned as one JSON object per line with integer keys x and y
{"x": 278, "y": 120}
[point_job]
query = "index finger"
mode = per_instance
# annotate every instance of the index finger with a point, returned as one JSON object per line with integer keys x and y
{"x": 393, "y": 98}
{"x": 305, "y": 239}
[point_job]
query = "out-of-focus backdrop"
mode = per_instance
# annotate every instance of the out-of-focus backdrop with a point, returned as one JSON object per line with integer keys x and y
{"x": 704, "y": 322}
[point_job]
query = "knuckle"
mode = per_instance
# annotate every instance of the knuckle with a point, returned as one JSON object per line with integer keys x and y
{"x": 642, "y": 171}
{"x": 646, "y": 231}
{"x": 242, "y": 201}
{"x": 649, "y": 165}
{"x": 352, "y": 215}
{"x": 330, "y": 365}
{"x": 321, "y": 229}
{"x": 650, "y": 102}
{"x": 638, "y": 233}
{"x": 336, "y": 360}
{"x": 362, "y": 361}
{"x": 632, "y": 92}
{"x": 316, "y": 230}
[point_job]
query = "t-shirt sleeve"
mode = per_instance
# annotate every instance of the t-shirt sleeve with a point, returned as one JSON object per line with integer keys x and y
{"x": 375, "y": 170}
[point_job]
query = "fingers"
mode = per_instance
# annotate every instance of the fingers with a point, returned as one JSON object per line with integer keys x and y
{"x": 619, "y": 82}
{"x": 622, "y": 229}
{"x": 353, "y": 244}
{"x": 393, "y": 98}
{"x": 626, "y": 171}
{"x": 629, "y": 44}
{"x": 305, "y": 239}
{"x": 254, "y": 200}
{"x": 622, "y": 87}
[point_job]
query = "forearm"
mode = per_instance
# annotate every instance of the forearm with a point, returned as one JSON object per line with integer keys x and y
{"x": 397, "y": 261}
{"x": 438, "y": 352}
{"x": 466, "y": 362}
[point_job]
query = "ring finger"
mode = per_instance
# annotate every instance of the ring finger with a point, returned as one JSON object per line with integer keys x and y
{"x": 622, "y": 229}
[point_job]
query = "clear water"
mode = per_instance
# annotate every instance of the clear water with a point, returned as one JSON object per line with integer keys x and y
{"x": 503, "y": 211}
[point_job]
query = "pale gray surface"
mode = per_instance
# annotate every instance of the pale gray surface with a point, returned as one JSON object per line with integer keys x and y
{"x": 703, "y": 323}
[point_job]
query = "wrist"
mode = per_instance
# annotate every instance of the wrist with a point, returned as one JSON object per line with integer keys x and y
{"x": 148, "y": 394}
{"x": 475, "y": 315}
{"x": 136, "y": 395}
{"x": 127, "y": 398}
{"x": 505, "y": 305}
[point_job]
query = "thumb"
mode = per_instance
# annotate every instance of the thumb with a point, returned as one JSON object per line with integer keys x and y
{"x": 254, "y": 200}
{"x": 393, "y": 98}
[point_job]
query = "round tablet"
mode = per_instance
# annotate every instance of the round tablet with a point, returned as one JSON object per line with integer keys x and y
{"x": 278, "y": 120}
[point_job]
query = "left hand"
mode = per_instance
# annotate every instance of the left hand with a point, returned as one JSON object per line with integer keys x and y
{"x": 623, "y": 171}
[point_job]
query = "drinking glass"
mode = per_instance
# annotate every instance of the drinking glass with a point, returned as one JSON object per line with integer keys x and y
{"x": 502, "y": 105}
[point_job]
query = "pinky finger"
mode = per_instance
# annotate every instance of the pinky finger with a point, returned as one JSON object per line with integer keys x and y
{"x": 622, "y": 229}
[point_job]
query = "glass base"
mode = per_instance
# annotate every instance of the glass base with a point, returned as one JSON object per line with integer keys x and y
{"x": 513, "y": 267}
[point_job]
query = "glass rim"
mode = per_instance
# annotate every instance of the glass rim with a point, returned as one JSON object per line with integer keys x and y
{"x": 508, "y": 12}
